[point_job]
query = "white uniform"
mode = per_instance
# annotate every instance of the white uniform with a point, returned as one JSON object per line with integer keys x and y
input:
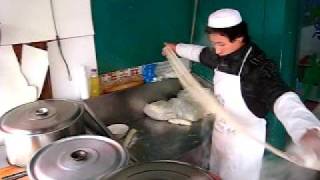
{"x": 235, "y": 156}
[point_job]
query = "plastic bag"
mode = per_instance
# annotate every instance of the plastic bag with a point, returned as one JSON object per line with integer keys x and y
{"x": 159, "y": 110}
{"x": 186, "y": 110}
{"x": 184, "y": 94}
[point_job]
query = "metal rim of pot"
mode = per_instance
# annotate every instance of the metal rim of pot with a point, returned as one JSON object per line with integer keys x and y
{"x": 33, "y": 125}
{"x": 78, "y": 157}
{"x": 167, "y": 169}
{"x": 40, "y": 112}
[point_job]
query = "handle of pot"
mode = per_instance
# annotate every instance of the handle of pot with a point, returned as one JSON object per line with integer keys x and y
{"x": 15, "y": 176}
{"x": 95, "y": 124}
{"x": 42, "y": 111}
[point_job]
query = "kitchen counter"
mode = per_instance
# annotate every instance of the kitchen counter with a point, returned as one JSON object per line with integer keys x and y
{"x": 154, "y": 140}
{"x": 160, "y": 140}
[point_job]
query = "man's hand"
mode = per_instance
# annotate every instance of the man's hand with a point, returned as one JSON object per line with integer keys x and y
{"x": 171, "y": 46}
{"x": 311, "y": 140}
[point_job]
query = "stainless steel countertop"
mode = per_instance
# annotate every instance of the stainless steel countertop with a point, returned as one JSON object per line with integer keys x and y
{"x": 154, "y": 140}
{"x": 160, "y": 140}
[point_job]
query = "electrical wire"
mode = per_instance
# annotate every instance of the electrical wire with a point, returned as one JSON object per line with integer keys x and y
{"x": 194, "y": 18}
{"x": 58, "y": 40}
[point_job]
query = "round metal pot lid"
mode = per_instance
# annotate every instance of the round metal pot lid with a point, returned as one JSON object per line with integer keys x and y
{"x": 41, "y": 117}
{"x": 78, "y": 157}
{"x": 164, "y": 170}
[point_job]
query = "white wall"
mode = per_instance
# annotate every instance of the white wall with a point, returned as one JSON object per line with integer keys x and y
{"x": 24, "y": 21}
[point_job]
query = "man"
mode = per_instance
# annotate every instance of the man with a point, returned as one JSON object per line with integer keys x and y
{"x": 247, "y": 85}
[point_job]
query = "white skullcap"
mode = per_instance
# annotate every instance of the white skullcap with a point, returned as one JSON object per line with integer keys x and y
{"x": 224, "y": 18}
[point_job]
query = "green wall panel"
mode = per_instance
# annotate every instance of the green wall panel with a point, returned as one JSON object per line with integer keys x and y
{"x": 131, "y": 32}
{"x": 287, "y": 39}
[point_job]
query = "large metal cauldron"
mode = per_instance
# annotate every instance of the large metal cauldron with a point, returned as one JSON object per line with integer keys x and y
{"x": 31, "y": 126}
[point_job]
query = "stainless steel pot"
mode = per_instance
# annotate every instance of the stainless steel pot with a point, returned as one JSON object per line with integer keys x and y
{"x": 162, "y": 169}
{"x": 80, "y": 157}
{"x": 31, "y": 126}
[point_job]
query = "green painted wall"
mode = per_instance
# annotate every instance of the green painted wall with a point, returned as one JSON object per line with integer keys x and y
{"x": 131, "y": 32}
{"x": 273, "y": 25}
{"x": 280, "y": 42}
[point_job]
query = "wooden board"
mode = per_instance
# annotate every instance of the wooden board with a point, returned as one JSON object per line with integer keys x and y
{"x": 11, "y": 170}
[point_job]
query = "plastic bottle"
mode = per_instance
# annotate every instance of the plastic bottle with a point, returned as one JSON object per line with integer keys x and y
{"x": 94, "y": 83}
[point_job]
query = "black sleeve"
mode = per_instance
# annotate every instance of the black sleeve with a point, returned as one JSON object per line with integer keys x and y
{"x": 272, "y": 85}
{"x": 208, "y": 58}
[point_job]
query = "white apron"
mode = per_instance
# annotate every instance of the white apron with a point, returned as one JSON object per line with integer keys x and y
{"x": 234, "y": 156}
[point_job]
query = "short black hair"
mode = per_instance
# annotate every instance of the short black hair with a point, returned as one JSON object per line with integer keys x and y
{"x": 233, "y": 32}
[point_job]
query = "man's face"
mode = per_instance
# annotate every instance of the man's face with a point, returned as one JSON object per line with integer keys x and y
{"x": 222, "y": 44}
